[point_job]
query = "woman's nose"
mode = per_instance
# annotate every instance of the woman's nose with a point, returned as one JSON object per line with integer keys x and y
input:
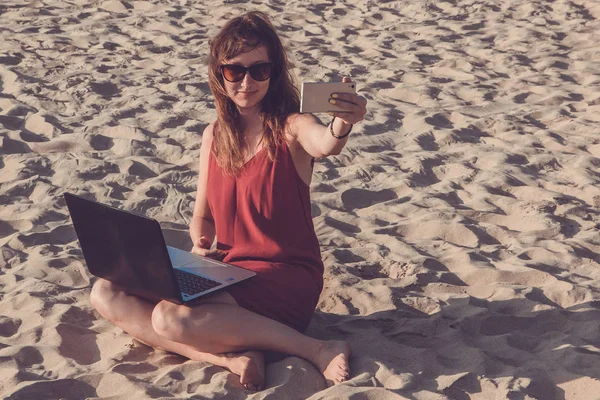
{"x": 247, "y": 81}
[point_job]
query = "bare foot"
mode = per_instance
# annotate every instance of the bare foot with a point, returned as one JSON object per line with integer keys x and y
{"x": 250, "y": 366}
{"x": 332, "y": 361}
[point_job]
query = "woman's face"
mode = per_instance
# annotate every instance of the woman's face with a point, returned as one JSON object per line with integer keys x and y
{"x": 248, "y": 93}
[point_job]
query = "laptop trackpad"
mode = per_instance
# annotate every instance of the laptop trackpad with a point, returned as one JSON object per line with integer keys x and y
{"x": 179, "y": 258}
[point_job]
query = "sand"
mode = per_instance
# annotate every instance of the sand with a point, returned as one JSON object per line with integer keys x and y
{"x": 459, "y": 228}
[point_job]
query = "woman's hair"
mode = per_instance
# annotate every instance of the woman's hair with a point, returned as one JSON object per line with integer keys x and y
{"x": 240, "y": 35}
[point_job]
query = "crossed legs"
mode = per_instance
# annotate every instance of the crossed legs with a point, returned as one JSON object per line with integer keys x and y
{"x": 218, "y": 331}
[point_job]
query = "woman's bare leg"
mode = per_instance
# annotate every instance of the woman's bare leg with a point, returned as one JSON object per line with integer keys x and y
{"x": 134, "y": 316}
{"x": 223, "y": 328}
{"x": 211, "y": 329}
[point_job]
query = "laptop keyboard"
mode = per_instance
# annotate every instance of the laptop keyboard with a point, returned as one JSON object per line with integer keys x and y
{"x": 191, "y": 284}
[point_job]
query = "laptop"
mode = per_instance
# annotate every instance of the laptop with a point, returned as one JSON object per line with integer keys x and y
{"x": 129, "y": 249}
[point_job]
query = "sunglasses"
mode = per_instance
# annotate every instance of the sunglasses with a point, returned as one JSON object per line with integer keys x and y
{"x": 258, "y": 72}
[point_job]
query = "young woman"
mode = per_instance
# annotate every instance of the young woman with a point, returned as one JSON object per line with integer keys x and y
{"x": 255, "y": 169}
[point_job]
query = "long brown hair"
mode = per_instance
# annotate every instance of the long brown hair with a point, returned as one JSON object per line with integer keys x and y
{"x": 239, "y": 35}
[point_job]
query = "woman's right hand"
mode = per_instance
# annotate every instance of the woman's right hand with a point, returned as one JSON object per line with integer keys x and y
{"x": 202, "y": 248}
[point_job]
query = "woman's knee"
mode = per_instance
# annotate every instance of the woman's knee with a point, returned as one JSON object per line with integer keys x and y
{"x": 102, "y": 295}
{"x": 170, "y": 320}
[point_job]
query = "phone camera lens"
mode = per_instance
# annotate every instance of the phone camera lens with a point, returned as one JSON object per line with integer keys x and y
{"x": 352, "y": 86}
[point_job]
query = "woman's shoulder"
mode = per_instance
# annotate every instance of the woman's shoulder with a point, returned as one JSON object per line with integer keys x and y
{"x": 209, "y": 130}
{"x": 207, "y": 135}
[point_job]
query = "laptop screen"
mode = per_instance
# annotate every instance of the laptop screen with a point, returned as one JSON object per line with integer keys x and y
{"x": 124, "y": 248}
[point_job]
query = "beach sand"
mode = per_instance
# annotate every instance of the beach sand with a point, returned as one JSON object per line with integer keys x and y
{"x": 459, "y": 227}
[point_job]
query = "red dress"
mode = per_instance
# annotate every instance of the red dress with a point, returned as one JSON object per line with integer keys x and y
{"x": 263, "y": 221}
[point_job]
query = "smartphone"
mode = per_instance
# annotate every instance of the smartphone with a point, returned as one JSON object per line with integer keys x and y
{"x": 315, "y": 96}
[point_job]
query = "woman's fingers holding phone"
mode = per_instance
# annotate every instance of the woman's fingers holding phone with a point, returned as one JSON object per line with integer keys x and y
{"x": 352, "y": 98}
{"x": 348, "y": 98}
{"x": 355, "y": 105}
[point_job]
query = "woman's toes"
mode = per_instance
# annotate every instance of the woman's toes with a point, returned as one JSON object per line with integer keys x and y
{"x": 343, "y": 372}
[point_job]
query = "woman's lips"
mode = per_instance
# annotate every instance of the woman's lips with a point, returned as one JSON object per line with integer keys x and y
{"x": 246, "y": 94}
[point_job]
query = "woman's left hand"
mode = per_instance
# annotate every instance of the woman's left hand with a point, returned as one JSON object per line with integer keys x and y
{"x": 355, "y": 104}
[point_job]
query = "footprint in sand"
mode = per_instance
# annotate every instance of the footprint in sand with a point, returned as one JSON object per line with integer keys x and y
{"x": 137, "y": 169}
{"x": 101, "y": 143}
{"x": 11, "y": 122}
{"x": 9, "y": 326}
{"x": 10, "y": 146}
{"x": 105, "y": 89}
{"x": 346, "y": 256}
{"x": 427, "y": 142}
{"x": 362, "y": 198}
{"x": 368, "y": 272}
{"x": 439, "y": 121}
{"x": 76, "y": 389}
{"x": 12, "y": 60}
{"x": 27, "y": 356}
{"x": 59, "y": 235}
{"x": 6, "y": 229}
{"x": 342, "y": 226}
{"x": 74, "y": 338}
{"x": 137, "y": 368}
